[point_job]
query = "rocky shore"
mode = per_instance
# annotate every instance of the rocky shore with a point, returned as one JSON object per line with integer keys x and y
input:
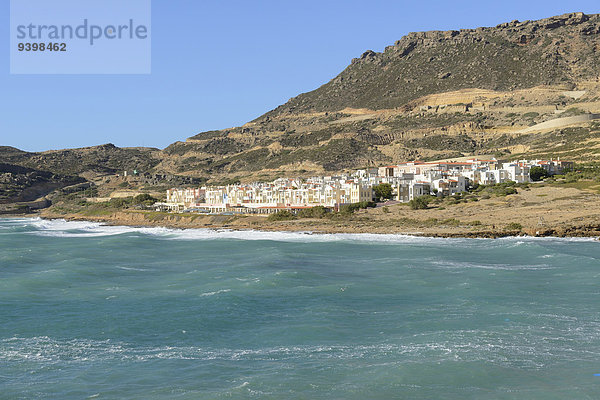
{"x": 182, "y": 221}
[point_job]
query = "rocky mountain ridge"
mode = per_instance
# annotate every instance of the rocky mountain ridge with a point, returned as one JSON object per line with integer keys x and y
{"x": 510, "y": 56}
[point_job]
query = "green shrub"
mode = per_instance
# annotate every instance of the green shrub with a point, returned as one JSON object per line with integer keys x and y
{"x": 314, "y": 212}
{"x": 144, "y": 199}
{"x": 514, "y": 226}
{"x": 574, "y": 111}
{"x": 531, "y": 115}
{"x": 420, "y": 203}
{"x": 140, "y": 198}
{"x": 499, "y": 189}
{"x": 121, "y": 202}
{"x": 450, "y": 222}
{"x": 350, "y": 208}
{"x": 281, "y": 216}
{"x": 90, "y": 192}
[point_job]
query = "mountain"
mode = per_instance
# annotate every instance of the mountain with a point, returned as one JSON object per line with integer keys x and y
{"x": 104, "y": 159}
{"x": 520, "y": 89}
{"x": 511, "y": 56}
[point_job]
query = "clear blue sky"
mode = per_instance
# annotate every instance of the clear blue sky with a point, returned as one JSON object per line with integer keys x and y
{"x": 218, "y": 64}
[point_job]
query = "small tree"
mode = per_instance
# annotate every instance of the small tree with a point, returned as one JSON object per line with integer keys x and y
{"x": 383, "y": 191}
{"x": 121, "y": 202}
{"x": 538, "y": 173}
{"x": 145, "y": 199}
{"x": 419, "y": 203}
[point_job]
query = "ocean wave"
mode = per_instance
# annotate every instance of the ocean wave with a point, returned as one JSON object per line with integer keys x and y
{"x": 444, "y": 264}
{"x": 62, "y": 228}
{"x": 214, "y": 293}
{"x": 531, "y": 351}
{"x": 74, "y": 229}
{"x": 8, "y": 223}
{"x": 133, "y": 269}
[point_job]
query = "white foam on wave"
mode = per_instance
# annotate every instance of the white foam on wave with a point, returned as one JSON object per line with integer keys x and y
{"x": 523, "y": 240}
{"x": 62, "y": 228}
{"x": 214, "y": 293}
{"x": 445, "y": 264}
{"x": 133, "y": 269}
{"x": 533, "y": 350}
{"x": 300, "y": 237}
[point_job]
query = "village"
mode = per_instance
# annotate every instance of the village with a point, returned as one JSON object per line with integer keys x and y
{"x": 408, "y": 181}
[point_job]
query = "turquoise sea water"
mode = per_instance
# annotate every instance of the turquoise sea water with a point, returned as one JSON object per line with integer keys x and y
{"x": 89, "y": 311}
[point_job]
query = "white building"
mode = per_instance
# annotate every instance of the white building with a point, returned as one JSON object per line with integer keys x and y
{"x": 408, "y": 180}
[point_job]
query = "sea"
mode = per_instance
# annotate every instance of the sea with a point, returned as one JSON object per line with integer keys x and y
{"x": 105, "y": 312}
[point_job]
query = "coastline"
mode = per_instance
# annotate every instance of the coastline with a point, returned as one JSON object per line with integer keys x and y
{"x": 537, "y": 212}
{"x": 183, "y": 222}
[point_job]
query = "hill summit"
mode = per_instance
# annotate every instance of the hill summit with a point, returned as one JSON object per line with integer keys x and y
{"x": 512, "y": 55}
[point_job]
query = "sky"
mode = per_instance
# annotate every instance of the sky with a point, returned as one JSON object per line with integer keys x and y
{"x": 219, "y": 64}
